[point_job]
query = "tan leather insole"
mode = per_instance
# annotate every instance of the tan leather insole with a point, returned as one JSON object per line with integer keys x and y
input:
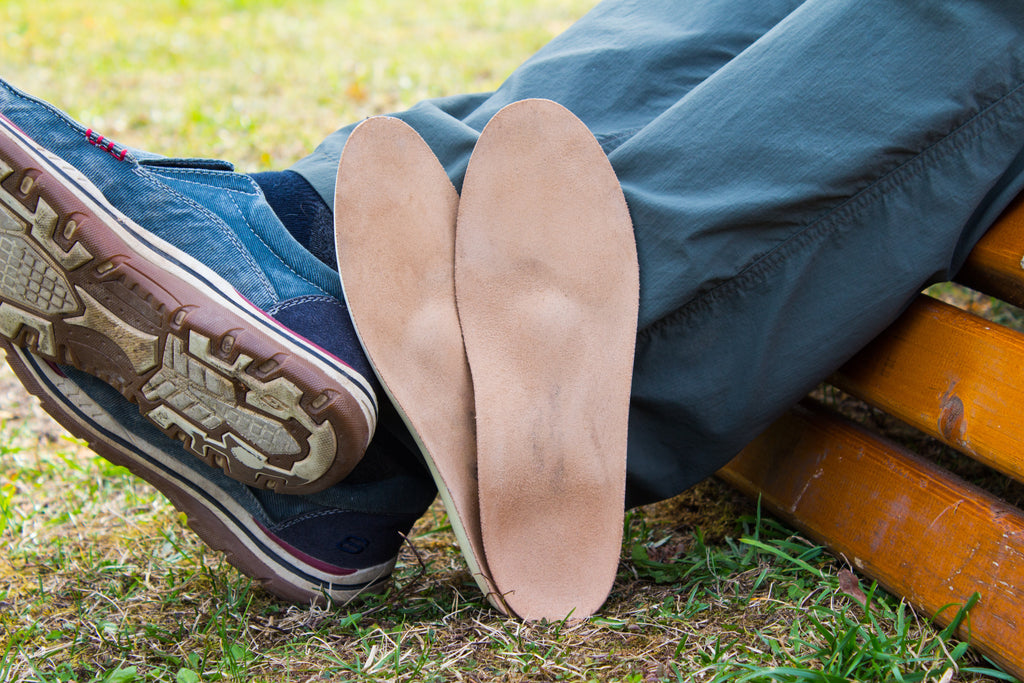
{"x": 395, "y": 213}
{"x": 547, "y": 290}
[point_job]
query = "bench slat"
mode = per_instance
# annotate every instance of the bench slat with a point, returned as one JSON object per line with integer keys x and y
{"x": 918, "y": 530}
{"x": 952, "y": 375}
{"x": 994, "y": 266}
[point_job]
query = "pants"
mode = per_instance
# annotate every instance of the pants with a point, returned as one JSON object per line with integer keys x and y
{"x": 796, "y": 172}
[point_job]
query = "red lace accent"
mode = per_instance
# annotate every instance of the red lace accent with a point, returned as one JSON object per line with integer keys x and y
{"x": 112, "y": 148}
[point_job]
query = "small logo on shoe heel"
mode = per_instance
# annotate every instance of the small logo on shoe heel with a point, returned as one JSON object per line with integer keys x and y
{"x": 353, "y": 545}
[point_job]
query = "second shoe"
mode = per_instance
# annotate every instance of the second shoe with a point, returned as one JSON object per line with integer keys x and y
{"x": 332, "y": 546}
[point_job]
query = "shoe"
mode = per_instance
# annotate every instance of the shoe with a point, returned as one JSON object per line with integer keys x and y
{"x": 173, "y": 281}
{"x": 328, "y": 547}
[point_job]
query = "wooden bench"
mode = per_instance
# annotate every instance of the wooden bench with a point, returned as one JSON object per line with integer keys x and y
{"x": 920, "y": 531}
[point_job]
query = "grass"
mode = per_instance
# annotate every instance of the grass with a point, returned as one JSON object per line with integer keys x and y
{"x": 100, "y": 580}
{"x": 262, "y": 81}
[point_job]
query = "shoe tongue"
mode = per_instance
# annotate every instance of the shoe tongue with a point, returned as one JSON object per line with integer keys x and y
{"x": 194, "y": 163}
{"x": 302, "y": 210}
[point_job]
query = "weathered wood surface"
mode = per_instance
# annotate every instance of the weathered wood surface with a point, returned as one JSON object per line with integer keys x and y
{"x": 920, "y": 531}
{"x": 994, "y": 266}
{"x": 952, "y": 375}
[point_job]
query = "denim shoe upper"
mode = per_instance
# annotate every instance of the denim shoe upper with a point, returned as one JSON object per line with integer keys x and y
{"x": 207, "y": 210}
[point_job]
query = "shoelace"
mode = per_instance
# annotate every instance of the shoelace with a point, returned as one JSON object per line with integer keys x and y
{"x": 112, "y": 148}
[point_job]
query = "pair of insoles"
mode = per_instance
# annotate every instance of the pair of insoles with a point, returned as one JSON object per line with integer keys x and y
{"x": 502, "y": 325}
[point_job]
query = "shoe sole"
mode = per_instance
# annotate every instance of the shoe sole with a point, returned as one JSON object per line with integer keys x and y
{"x": 547, "y": 289}
{"x": 83, "y": 285}
{"x": 216, "y": 518}
{"x": 395, "y": 235}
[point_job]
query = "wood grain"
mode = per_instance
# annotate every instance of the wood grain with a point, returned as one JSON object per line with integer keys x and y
{"x": 994, "y": 265}
{"x": 952, "y": 375}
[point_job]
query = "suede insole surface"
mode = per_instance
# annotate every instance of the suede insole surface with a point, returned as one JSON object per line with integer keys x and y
{"x": 395, "y": 212}
{"x": 547, "y": 289}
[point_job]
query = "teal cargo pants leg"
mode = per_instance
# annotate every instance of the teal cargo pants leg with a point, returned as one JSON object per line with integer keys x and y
{"x": 795, "y": 172}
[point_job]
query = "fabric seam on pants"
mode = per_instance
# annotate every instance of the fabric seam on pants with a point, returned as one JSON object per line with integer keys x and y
{"x": 835, "y": 218}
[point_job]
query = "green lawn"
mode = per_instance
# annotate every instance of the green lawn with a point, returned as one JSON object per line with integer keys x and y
{"x": 100, "y": 579}
{"x": 261, "y": 81}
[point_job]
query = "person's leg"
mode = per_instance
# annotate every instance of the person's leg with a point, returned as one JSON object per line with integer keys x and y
{"x": 812, "y": 187}
{"x": 790, "y": 193}
{"x": 618, "y": 68}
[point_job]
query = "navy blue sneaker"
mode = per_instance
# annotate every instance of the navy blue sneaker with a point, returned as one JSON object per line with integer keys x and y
{"x": 330, "y": 546}
{"x": 173, "y": 281}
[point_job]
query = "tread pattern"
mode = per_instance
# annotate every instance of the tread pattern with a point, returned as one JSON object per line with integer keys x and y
{"x": 72, "y": 291}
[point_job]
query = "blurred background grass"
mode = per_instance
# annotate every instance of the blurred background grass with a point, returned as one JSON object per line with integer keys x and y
{"x": 261, "y": 82}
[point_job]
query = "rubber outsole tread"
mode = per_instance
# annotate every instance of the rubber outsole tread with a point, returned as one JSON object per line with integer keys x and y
{"x": 77, "y": 288}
